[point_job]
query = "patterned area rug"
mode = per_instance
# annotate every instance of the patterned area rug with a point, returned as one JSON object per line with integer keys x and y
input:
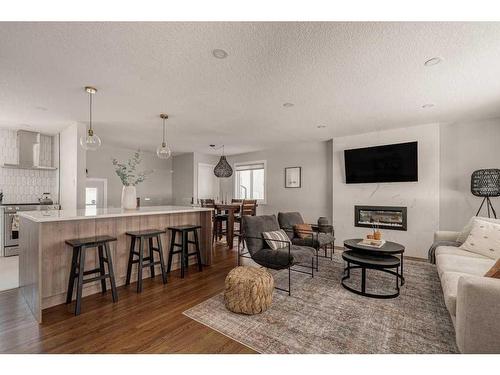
{"x": 323, "y": 317}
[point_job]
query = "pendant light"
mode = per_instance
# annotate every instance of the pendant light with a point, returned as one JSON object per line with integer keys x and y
{"x": 90, "y": 141}
{"x": 223, "y": 169}
{"x": 163, "y": 151}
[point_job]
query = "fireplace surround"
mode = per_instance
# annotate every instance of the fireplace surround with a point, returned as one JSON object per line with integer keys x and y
{"x": 382, "y": 217}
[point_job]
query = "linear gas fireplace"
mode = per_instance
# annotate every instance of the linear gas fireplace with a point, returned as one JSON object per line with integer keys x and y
{"x": 384, "y": 217}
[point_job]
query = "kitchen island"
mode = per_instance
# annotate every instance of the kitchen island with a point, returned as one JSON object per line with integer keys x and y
{"x": 45, "y": 259}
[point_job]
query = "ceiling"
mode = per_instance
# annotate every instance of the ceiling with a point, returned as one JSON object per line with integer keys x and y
{"x": 349, "y": 77}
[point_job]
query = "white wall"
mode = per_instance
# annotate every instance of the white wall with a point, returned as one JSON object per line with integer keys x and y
{"x": 72, "y": 167}
{"x": 201, "y": 158}
{"x": 314, "y": 199}
{"x": 421, "y": 198}
{"x": 21, "y": 185}
{"x": 465, "y": 147}
{"x": 183, "y": 179}
{"x": 157, "y": 186}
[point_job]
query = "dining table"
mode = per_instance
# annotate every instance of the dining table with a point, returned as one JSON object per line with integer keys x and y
{"x": 231, "y": 209}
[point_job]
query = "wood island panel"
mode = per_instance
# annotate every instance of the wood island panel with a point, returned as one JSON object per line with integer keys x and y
{"x": 45, "y": 266}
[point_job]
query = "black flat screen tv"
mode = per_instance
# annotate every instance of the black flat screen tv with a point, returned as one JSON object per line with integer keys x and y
{"x": 389, "y": 163}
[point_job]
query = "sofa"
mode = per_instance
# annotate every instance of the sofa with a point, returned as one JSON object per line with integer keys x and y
{"x": 472, "y": 300}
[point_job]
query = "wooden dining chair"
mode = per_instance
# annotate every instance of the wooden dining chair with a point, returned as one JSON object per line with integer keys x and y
{"x": 218, "y": 219}
{"x": 248, "y": 208}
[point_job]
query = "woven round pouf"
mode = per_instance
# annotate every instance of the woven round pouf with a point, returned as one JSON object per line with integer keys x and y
{"x": 249, "y": 290}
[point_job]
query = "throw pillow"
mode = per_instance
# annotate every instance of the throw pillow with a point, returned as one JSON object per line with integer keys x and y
{"x": 279, "y": 236}
{"x": 302, "y": 230}
{"x": 466, "y": 231}
{"x": 494, "y": 271}
{"x": 484, "y": 239}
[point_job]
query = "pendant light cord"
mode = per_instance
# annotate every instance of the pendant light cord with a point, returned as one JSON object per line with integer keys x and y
{"x": 90, "y": 100}
{"x": 164, "y": 132}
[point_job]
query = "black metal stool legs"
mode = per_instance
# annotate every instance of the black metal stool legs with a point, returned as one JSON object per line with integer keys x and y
{"x": 183, "y": 247}
{"x": 79, "y": 289}
{"x": 101, "y": 268}
{"x": 72, "y": 274}
{"x": 111, "y": 272}
{"x": 141, "y": 240}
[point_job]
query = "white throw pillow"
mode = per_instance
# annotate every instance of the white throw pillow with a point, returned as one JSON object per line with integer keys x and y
{"x": 466, "y": 231}
{"x": 279, "y": 235}
{"x": 484, "y": 239}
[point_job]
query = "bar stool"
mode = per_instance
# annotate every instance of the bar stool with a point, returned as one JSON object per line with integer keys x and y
{"x": 141, "y": 237}
{"x": 184, "y": 231}
{"x": 79, "y": 246}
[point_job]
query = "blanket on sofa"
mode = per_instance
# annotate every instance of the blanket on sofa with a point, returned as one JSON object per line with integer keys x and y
{"x": 431, "y": 255}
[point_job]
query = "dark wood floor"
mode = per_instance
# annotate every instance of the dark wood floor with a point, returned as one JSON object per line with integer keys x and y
{"x": 150, "y": 322}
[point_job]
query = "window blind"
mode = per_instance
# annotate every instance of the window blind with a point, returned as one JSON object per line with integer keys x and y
{"x": 249, "y": 167}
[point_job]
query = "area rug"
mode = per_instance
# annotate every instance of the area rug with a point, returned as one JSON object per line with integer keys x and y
{"x": 323, "y": 317}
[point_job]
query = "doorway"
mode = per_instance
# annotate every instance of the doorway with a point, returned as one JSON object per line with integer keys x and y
{"x": 208, "y": 183}
{"x": 96, "y": 193}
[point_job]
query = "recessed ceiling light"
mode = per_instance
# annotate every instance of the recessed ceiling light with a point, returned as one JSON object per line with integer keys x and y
{"x": 430, "y": 105}
{"x": 433, "y": 61}
{"x": 219, "y": 53}
{"x": 288, "y": 105}
{"x": 321, "y": 126}
{"x": 212, "y": 146}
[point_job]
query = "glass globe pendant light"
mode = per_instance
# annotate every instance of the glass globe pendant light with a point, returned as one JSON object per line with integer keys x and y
{"x": 163, "y": 151}
{"x": 90, "y": 141}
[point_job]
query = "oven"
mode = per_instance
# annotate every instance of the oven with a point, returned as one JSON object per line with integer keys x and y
{"x": 11, "y": 225}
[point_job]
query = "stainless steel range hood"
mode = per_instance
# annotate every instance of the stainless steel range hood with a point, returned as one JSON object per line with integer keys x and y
{"x": 34, "y": 151}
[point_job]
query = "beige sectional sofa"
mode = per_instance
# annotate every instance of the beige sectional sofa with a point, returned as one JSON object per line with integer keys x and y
{"x": 472, "y": 299}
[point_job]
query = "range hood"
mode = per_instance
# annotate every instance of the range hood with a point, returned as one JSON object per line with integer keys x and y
{"x": 34, "y": 151}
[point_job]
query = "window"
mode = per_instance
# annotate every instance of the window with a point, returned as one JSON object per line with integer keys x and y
{"x": 250, "y": 180}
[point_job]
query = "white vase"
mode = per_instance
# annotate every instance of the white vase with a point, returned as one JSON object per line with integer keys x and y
{"x": 129, "y": 198}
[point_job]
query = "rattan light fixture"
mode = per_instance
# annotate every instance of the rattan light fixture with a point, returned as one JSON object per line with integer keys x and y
{"x": 485, "y": 183}
{"x": 222, "y": 169}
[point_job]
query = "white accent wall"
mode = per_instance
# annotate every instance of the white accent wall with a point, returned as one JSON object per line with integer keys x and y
{"x": 421, "y": 198}
{"x": 22, "y": 185}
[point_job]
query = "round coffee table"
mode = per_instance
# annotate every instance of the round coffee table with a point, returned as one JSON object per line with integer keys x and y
{"x": 380, "y": 262}
{"x": 389, "y": 248}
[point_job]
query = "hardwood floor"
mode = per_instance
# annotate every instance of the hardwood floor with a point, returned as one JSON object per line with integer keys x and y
{"x": 150, "y": 322}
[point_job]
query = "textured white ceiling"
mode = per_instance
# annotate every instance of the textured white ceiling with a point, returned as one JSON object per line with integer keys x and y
{"x": 351, "y": 77}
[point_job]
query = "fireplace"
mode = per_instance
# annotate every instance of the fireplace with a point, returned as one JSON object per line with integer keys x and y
{"x": 383, "y": 217}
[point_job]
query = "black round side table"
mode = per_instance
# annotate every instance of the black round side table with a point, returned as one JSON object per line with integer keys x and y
{"x": 389, "y": 248}
{"x": 384, "y": 263}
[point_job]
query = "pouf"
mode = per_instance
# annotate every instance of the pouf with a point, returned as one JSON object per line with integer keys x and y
{"x": 249, "y": 290}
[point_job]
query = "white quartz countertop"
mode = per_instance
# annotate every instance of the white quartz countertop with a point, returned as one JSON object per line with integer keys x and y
{"x": 102, "y": 213}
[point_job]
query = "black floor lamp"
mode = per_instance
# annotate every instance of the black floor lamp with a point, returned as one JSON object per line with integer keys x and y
{"x": 485, "y": 183}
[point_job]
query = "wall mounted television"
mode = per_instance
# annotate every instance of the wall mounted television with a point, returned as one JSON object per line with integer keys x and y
{"x": 388, "y": 163}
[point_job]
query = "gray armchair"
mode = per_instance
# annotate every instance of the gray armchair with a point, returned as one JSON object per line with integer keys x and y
{"x": 289, "y": 257}
{"x": 320, "y": 238}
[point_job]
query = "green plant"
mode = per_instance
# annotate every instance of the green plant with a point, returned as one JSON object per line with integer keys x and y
{"x": 127, "y": 171}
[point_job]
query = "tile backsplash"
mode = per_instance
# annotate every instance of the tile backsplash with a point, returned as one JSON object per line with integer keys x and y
{"x": 22, "y": 185}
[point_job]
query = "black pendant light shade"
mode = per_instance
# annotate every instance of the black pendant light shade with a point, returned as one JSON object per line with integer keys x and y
{"x": 223, "y": 169}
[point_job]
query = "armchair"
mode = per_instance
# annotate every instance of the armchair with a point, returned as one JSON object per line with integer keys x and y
{"x": 320, "y": 238}
{"x": 289, "y": 257}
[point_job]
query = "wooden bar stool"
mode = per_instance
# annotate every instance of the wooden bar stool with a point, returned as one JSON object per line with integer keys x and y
{"x": 79, "y": 246}
{"x": 184, "y": 231}
{"x": 141, "y": 237}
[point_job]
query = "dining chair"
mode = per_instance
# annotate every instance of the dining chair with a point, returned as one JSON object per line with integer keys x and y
{"x": 218, "y": 219}
{"x": 248, "y": 208}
